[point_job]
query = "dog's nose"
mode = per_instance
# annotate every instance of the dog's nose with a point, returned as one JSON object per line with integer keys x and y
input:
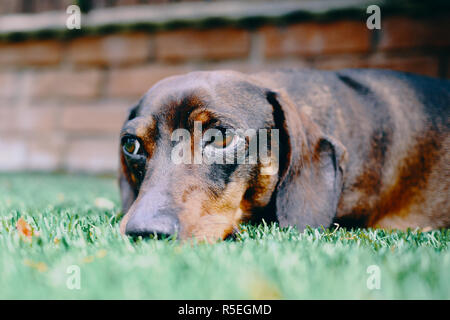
{"x": 162, "y": 226}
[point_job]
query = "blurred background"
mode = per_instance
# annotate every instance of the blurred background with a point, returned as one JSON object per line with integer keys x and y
{"x": 65, "y": 93}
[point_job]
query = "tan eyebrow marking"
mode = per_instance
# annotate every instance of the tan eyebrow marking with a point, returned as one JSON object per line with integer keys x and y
{"x": 201, "y": 115}
{"x": 145, "y": 127}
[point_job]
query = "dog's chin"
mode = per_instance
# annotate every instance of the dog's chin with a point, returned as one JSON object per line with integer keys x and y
{"x": 211, "y": 228}
{"x": 123, "y": 224}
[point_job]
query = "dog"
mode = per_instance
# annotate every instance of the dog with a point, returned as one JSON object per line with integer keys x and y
{"x": 357, "y": 147}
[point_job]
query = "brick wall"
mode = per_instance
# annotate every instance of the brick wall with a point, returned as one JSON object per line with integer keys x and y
{"x": 62, "y": 102}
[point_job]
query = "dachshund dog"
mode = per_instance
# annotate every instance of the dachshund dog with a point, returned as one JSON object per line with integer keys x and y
{"x": 362, "y": 148}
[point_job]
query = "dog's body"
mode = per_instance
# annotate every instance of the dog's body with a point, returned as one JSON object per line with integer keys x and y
{"x": 395, "y": 128}
{"x": 366, "y": 148}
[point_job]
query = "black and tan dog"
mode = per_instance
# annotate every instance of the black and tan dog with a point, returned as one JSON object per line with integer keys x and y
{"x": 366, "y": 148}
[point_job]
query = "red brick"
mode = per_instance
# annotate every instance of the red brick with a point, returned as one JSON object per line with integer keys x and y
{"x": 241, "y": 66}
{"x": 423, "y": 65}
{"x": 341, "y": 62}
{"x": 403, "y": 32}
{"x": 98, "y": 118}
{"x": 313, "y": 38}
{"x": 19, "y": 119}
{"x": 92, "y": 155}
{"x": 67, "y": 84}
{"x": 44, "y": 152}
{"x": 36, "y": 152}
{"x": 118, "y": 49}
{"x": 135, "y": 2}
{"x": 7, "y": 86}
{"x": 286, "y": 64}
{"x": 15, "y": 158}
{"x": 10, "y": 6}
{"x": 4, "y": 119}
{"x": 246, "y": 67}
{"x": 202, "y": 44}
{"x": 33, "y": 52}
{"x": 134, "y": 82}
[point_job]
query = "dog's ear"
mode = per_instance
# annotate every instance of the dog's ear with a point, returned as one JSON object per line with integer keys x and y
{"x": 127, "y": 192}
{"x": 311, "y": 168}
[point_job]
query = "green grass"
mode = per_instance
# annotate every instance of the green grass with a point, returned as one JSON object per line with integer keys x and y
{"x": 264, "y": 261}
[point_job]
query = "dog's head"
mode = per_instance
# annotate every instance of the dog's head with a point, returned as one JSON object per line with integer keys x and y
{"x": 203, "y": 152}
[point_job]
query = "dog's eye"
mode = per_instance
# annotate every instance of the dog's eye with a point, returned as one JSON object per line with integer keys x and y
{"x": 223, "y": 141}
{"x": 131, "y": 145}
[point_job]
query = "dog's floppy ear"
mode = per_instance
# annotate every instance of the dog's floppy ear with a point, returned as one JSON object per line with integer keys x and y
{"x": 127, "y": 192}
{"x": 311, "y": 168}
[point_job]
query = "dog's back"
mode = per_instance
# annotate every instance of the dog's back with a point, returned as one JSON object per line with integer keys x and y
{"x": 395, "y": 128}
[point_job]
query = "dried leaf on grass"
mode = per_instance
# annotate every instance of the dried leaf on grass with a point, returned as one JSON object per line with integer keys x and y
{"x": 25, "y": 230}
